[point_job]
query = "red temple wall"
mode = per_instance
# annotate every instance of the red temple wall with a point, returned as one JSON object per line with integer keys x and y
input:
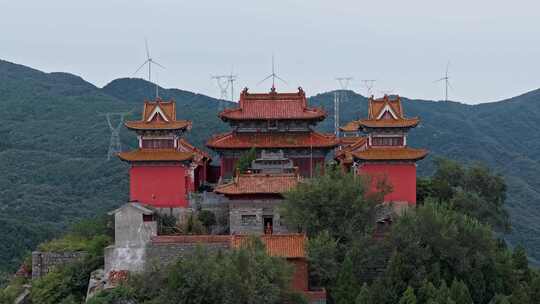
{"x": 402, "y": 178}
{"x": 159, "y": 186}
{"x": 309, "y": 167}
{"x": 227, "y": 166}
{"x": 300, "y": 276}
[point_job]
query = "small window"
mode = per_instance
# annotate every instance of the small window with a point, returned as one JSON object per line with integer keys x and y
{"x": 272, "y": 124}
{"x": 248, "y": 220}
{"x": 148, "y": 217}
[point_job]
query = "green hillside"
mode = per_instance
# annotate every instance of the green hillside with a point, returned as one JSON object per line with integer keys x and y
{"x": 54, "y": 140}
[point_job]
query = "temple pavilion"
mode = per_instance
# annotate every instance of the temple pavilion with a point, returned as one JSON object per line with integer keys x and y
{"x": 382, "y": 151}
{"x": 273, "y": 121}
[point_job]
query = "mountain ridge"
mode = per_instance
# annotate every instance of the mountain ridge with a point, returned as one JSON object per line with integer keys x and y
{"x": 53, "y": 147}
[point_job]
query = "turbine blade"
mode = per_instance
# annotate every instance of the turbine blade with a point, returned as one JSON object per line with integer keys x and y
{"x": 438, "y": 80}
{"x": 283, "y": 80}
{"x": 159, "y": 65}
{"x": 268, "y": 77}
{"x": 142, "y": 65}
{"x": 147, "y": 50}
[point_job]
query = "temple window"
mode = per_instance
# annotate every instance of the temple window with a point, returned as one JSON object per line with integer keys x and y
{"x": 157, "y": 143}
{"x": 387, "y": 141}
{"x": 249, "y": 219}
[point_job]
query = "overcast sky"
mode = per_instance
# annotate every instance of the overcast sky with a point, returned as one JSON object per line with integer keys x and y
{"x": 493, "y": 46}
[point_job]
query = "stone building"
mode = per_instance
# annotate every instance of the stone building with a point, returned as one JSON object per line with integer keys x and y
{"x": 134, "y": 227}
{"x": 253, "y": 197}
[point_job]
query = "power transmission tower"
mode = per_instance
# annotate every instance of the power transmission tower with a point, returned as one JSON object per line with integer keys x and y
{"x": 231, "y": 79}
{"x": 223, "y": 85}
{"x": 446, "y": 80}
{"x": 150, "y": 61}
{"x": 339, "y": 97}
{"x": 115, "y": 146}
{"x": 369, "y": 84}
{"x": 225, "y": 82}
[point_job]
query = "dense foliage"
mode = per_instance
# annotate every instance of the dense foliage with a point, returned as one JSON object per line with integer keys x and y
{"x": 54, "y": 140}
{"x": 247, "y": 275}
{"x": 439, "y": 252}
{"x": 68, "y": 284}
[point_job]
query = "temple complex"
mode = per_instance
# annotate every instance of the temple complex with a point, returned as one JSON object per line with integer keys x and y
{"x": 273, "y": 121}
{"x": 382, "y": 152}
{"x": 165, "y": 167}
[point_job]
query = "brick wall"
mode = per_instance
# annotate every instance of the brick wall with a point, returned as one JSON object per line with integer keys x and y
{"x": 44, "y": 262}
{"x": 163, "y": 254}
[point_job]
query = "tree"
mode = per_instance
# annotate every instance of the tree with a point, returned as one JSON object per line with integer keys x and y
{"x": 363, "y": 296}
{"x": 244, "y": 162}
{"x": 473, "y": 190}
{"x": 347, "y": 287}
{"x": 322, "y": 251}
{"x": 427, "y": 292}
{"x": 207, "y": 219}
{"x": 460, "y": 293}
{"x": 520, "y": 263}
{"x": 340, "y": 203}
{"x": 408, "y": 296}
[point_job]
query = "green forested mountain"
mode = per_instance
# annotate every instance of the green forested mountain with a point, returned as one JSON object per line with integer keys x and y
{"x": 54, "y": 140}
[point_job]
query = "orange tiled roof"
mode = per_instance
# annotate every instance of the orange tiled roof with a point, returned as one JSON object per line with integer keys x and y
{"x": 396, "y": 153}
{"x": 375, "y": 109}
{"x": 185, "y": 146}
{"x": 259, "y": 184}
{"x": 153, "y": 125}
{"x": 348, "y": 146}
{"x": 155, "y": 155}
{"x": 394, "y": 123}
{"x": 280, "y": 245}
{"x": 234, "y": 140}
{"x": 272, "y": 105}
{"x": 376, "y": 106}
{"x": 157, "y": 122}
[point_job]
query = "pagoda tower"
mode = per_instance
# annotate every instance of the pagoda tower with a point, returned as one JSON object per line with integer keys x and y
{"x": 165, "y": 167}
{"x": 383, "y": 153}
{"x": 272, "y": 122}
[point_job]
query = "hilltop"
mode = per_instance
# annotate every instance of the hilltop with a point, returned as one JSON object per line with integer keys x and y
{"x": 54, "y": 140}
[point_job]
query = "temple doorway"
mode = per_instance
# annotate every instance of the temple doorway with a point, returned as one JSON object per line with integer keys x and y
{"x": 268, "y": 222}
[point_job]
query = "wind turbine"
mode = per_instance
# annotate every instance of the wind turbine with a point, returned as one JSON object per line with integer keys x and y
{"x": 274, "y": 76}
{"x": 446, "y": 79}
{"x": 149, "y": 61}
